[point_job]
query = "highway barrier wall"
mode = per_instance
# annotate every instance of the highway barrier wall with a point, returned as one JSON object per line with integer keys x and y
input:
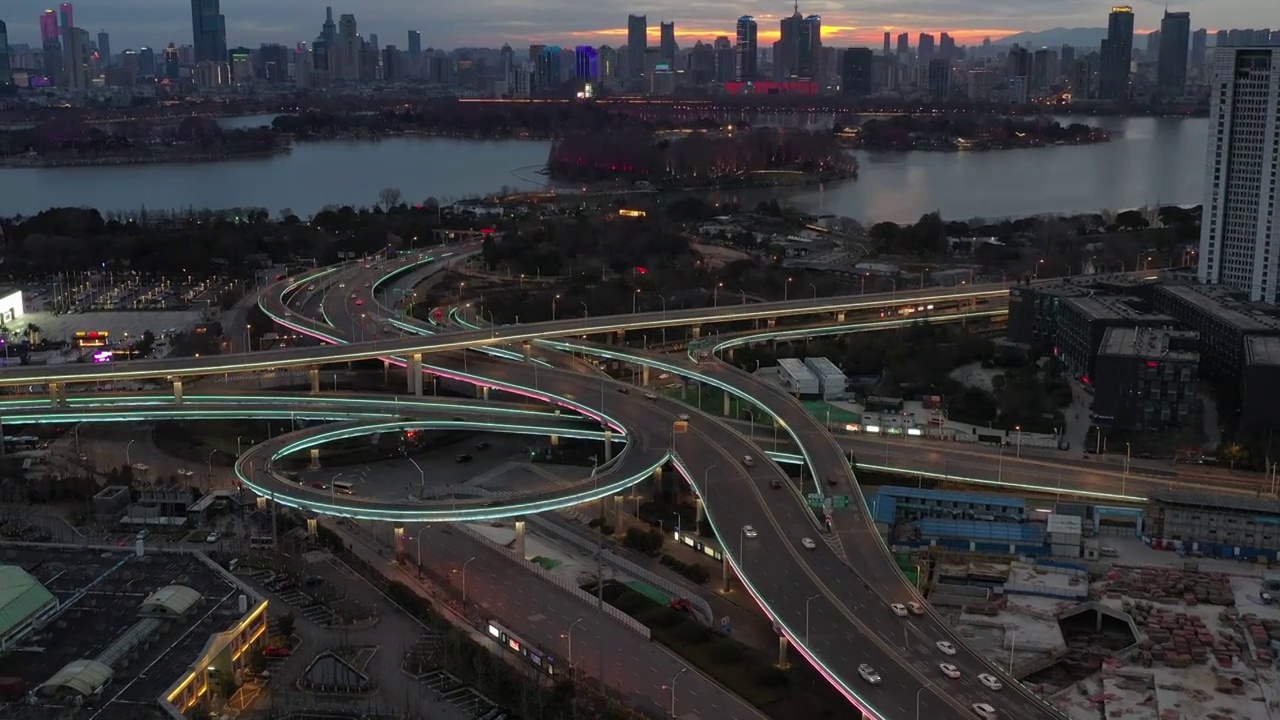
{"x": 625, "y": 620}
{"x": 700, "y": 606}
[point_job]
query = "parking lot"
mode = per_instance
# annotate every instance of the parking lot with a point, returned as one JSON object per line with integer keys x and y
{"x": 299, "y": 601}
{"x": 120, "y": 291}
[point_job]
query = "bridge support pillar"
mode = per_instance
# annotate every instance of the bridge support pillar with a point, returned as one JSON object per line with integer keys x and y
{"x": 484, "y": 392}
{"x": 398, "y": 533}
{"x": 618, "y": 502}
{"x": 527, "y": 347}
{"x": 699, "y": 512}
{"x": 177, "y": 392}
{"x": 697, "y": 331}
{"x": 644, "y": 374}
{"x": 315, "y": 458}
{"x": 518, "y": 545}
{"x": 726, "y": 404}
{"x": 555, "y": 440}
{"x": 622, "y": 337}
{"x": 724, "y": 574}
{"x": 730, "y": 354}
{"x": 771, "y": 323}
{"x": 57, "y": 394}
{"x": 840, "y": 317}
{"x": 315, "y": 379}
{"x": 608, "y": 445}
{"x": 782, "y": 652}
{"x": 413, "y": 369}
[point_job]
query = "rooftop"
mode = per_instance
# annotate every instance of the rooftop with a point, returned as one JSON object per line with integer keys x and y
{"x": 1114, "y": 308}
{"x": 1220, "y": 502}
{"x": 1222, "y": 304}
{"x": 1262, "y": 350}
{"x": 102, "y": 591}
{"x": 1144, "y": 342}
{"x": 20, "y": 596}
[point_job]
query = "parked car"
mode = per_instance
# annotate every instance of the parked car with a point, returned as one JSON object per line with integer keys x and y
{"x": 276, "y": 651}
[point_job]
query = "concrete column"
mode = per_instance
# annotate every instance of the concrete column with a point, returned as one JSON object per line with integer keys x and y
{"x": 53, "y": 393}
{"x": 724, "y": 574}
{"x": 782, "y": 652}
{"x": 555, "y": 440}
{"x": 730, "y": 355}
{"x": 697, "y": 331}
{"x": 699, "y": 511}
{"x": 413, "y": 369}
{"x": 527, "y": 347}
{"x": 644, "y": 374}
{"x": 840, "y": 317}
{"x": 618, "y": 502}
{"x": 622, "y": 337}
{"x": 313, "y": 524}
{"x": 397, "y": 532}
{"x": 726, "y": 404}
{"x": 657, "y": 480}
{"x": 519, "y": 542}
{"x": 608, "y": 445}
{"x": 315, "y": 458}
{"x": 177, "y": 391}
{"x": 315, "y": 380}
{"x": 771, "y": 323}
{"x": 484, "y": 392}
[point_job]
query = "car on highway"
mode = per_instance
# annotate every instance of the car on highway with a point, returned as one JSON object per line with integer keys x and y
{"x": 915, "y": 608}
{"x": 775, "y": 484}
{"x": 683, "y": 416}
{"x": 318, "y": 485}
{"x": 949, "y": 670}
{"x": 750, "y": 531}
{"x": 212, "y": 537}
{"x": 276, "y": 651}
{"x": 748, "y": 461}
{"x": 808, "y": 544}
{"x": 359, "y": 302}
{"x": 869, "y": 674}
{"x": 463, "y": 458}
{"x": 342, "y": 285}
{"x": 945, "y": 647}
{"x": 651, "y": 396}
{"x": 984, "y": 711}
{"x": 482, "y": 445}
{"x": 623, "y": 390}
{"x": 991, "y": 681}
{"x": 899, "y": 609}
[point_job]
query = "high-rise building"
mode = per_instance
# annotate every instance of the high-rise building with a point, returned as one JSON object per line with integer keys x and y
{"x": 925, "y": 50}
{"x": 66, "y": 23}
{"x": 702, "y": 63}
{"x": 147, "y": 61}
{"x": 1199, "y": 41}
{"x": 888, "y": 45}
{"x": 49, "y": 27}
{"x": 346, "y": 61}
{"x": 1171, "y": 71}
{"x": 506, "y": 64}
{"x": 746, "y": 53}
{"x": 547, "y": 72}
{"x": 667, "y": 42}
{"x": 939, "y": 79}
{"x": 172, "y": 66}
{"x": 1242, "y": 193}
{"x": 1066, "y": 61}
{"x": 1152, "y": 53}
{"x": 809, "y": 48}
{"x": 415, "y": 56}
{"x": 855, "y": 71}
{"x": 725, "y": 59}
{"x": 104, "y": 49}
{"x": 586, "y": 63}
{"x": 79, "y": 55}
{"x": 1117, "y": 55}
{"x": 637, "y": 41}
{"x": 904, "y": 44}
{"x": 6, "y": 65}
{"x": 209, "y": 31}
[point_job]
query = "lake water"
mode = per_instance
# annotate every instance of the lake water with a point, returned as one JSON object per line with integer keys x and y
{"x": 1150, "y": 160}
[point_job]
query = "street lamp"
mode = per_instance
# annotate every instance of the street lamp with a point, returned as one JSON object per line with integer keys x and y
{"x": 238, "y": 453}
{"x": 634, "y": 297}
{"x": 1018, "y": 447}
{"x": 553, "y": 307}
{"x": 570, "y": 636}
{"x": 464, "y": 579}
{"x": 419, "y": 555}
{"x": 1124, "y": 479}
{"x": 209, "y": 462}
{"x": 422, "y": 476}
{"x": 673, "y": 690}
{"x": 585, "y": 313}
{"x": 806, "y": 616}
{"x": 786, "y": 289}
{"x": 920, "y": 690}
{"x": 706, "y": 482}
{"x": 126, "y": 448}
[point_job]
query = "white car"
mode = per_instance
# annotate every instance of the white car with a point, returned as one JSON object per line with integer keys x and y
{"x": 748, "y": 460}
{"x": 899, "y": 609}
{"x": 915, "y": 608}
{"x": 869, "y": 674}
{"x": 650, "y": 396}
{"x": 683, "y": 416}
{"x": 991, "y": 681}
{"x": 949, "y": 670}
{"x": 211, "y": 537}
{"x": 945, "y": 647}
{"x": 808, "y": 544}
{"x": 984, "y": 711}
{"x": 749, "y": 531}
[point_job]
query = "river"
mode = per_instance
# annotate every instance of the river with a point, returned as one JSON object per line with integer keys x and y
{"x": 1149, "y": 160}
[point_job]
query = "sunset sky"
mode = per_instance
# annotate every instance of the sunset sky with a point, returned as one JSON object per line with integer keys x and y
{"x": 134, "y": 23}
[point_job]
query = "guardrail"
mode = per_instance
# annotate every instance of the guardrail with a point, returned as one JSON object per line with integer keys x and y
{"x": 624, "y": 619}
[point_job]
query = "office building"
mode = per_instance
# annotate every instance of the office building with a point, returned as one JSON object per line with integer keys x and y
{"x": 904, "y": 44}
{"x": 637, "y": 42}
{"x": 172, "y": 67}
{"x": 939, "y": 77}
{"x": 49, "y": 27}
{"x": 1223, "y": 322}
{"x": 547, "y": 69}
{"x": 415, "y": 56}
{"x": 1117, "y": 55}
{"x": 1241, "y": 186}
{"x": 1171, "y": 70}
{"x": 6, "y": 65}
{"x": 726, "y": 59}
{"x": 79, "y": 54}
{"x": 1199, "y": 42}
{"x": 345, "y": 59}
{"x": 924, "y": 49}
{"x": 209, "y": 31}
{"x": 586, "y": 65}
{"x": 1144, "y": 379}
{"x": 1260, "y": 384}
{"x": 888, "y": 46}
{"x": 855, "y": 72}
{"x": 104, "y": 49}
{"x": 746, "y": 54}
{"x": 809, "y": 48}
{"x": 667, "y": 42}
{"x": 66, "y": 23}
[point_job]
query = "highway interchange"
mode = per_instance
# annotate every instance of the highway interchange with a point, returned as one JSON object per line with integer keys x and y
{"x": 832, "y": 601}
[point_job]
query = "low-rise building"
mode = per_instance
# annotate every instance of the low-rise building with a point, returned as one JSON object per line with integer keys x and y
{"x": 799, "y": 379}
{"x": 1260, "y": 386}
{"x": 1225, "y": 526}
{"x": 1223, "y": 322}
{"x": 832, "y": 382}
{"x": 1084, "y": 320}
{"x": 1145, "y": 379}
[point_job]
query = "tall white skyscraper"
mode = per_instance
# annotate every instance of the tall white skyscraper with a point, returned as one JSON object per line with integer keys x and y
{"x": 1239, "y": 245}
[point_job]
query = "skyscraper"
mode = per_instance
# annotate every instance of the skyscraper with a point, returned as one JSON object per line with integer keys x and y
{"x": 887, "y": 44}
{"x": 637, "y": 41}
{"x": 51, "y": 45}
{"x": 49, "y": 27}
{"x": 726, "y": 63}
{"x": 1171, "y": 71}
{"x": 6, "y": 66}
{"x": 1117, "y": 54}
{"x": 667, "y": 42}
{"x": 925, "y": 50}
{"x": 345, "y": 62}
{"x": 586, "y": 63}
{"x": 209, "y": 31}
{"x": 745, "y": 51}
{"x": 1242, "y": 194}
{"x": 79, "y": 59}
{"x": 855, "y": 71}
{"x": 104, "y": 48}
{"x": 1199, "y": 41}
{"x": 66, "y": 23}
{"x": 172, "y": 66}
{"x": 809, "y": 48}
{"x": 904, "y": 44}
{"x": 415, "y": 55}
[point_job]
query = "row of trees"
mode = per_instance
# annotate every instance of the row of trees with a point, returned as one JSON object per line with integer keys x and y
{"x": 900, "y": 132}
{"x": 62, "y": 137}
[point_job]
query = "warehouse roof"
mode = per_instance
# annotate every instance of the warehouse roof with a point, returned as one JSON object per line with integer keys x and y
{"x": 21, "y": 596}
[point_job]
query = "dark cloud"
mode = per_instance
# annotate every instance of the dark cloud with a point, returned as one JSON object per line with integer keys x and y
{"x": 133, "y": 23}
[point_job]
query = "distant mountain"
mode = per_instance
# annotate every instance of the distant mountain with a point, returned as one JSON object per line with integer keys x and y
{"x": 1057, "y": 37}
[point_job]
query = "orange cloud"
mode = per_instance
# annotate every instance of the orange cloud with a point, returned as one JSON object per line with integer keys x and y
{"x": 838, "y": 35}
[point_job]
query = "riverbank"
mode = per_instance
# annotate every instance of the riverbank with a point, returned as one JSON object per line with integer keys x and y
{"x": 40, "y": 161}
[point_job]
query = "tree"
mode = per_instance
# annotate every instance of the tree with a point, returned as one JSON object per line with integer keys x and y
{"x": 1132, "y": 220}
{"x": 285, "y": 624}
{"x": 390, "y": 197}
{"x": 33, "y": 333}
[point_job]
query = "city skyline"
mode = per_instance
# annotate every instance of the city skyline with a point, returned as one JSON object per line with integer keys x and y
{"x": 481, "y": 23}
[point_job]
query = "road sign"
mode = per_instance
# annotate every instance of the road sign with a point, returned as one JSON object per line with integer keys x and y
{"x": 841, "y": 502}
{"x": 815, "y": 500}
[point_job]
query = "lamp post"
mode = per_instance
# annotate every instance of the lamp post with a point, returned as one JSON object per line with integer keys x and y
{"x": 126, "y": 448}
{"x": 238, "y": 453}
{"x": 635, "y": 296}
{"x": 422, "y": 476}
{"x": 464, "y": 579}
{"x": 209, "y": 463}
{"x": 786, "y": 290}
{"x": 1018, "y": 447}
{"x": 673, "y": 690}
{"x": 706, "y": 482}
{"x": 570, "y": 636}
{"x": 418, "y": 557}
{"x": 806, "y": 616}
{"x": 920, "y": 690}
{"x": 1124, "y": 479}
{"x": 553, "y": 307}
{"x": 815, "y": 293}
{"x": 585, "y": 313}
